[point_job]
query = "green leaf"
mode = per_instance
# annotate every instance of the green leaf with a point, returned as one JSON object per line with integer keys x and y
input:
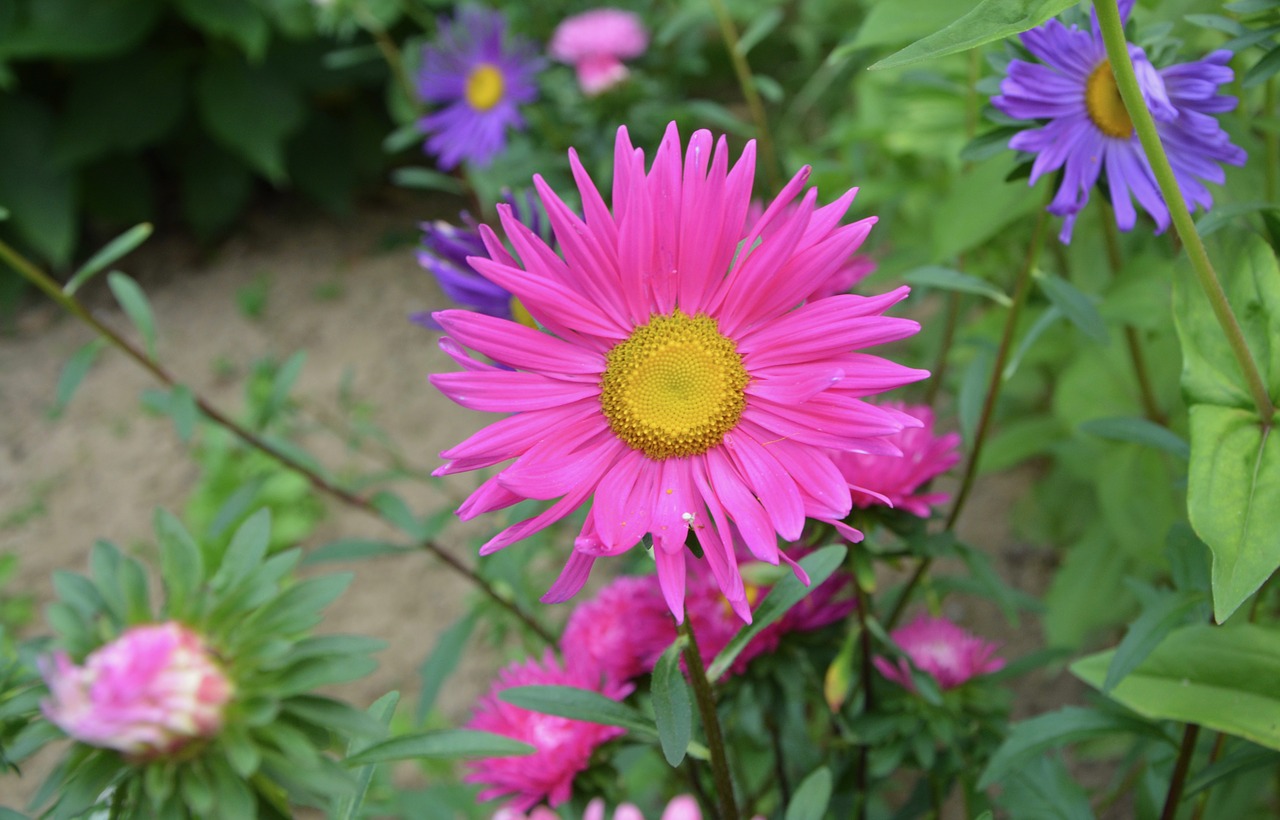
{"x": 328, "y": 713}
{"x": 671, "y": 708}
{"x": 236, "y": 20}
{"x": 110, "y": 253}
{"x": 1075, "y": 305}
{"x": 312, "y": 673}
{"x": 77, "y": 29}
{"x": 183, "y": 410}
{"x": 181, "y": 564}
{"x": 812, "y": 796}
{"x": 1264, "y": 69}
{"x": 85, "y": 785}
{"x": 136, "y": 307}
{"x": 760, "y": 28}
{"x": 1037, "y": 330}
{"x": 298, "y": 608}
{"x": 73, "y": 373}
{"x": 1043, "y": 788}
{"x": 232, "y": 794}
{"x": 579, "y": 704}
{"x": 1233, "y": 498}
{"x": 397, "y": 512}
{"x": 1222, "y": 215}
{"x": 442, "y": 661}
{"x": 1222, "y": 678}
{"x": 40, "y": 194}
{"x": 382, "y": 710}
{"x": 889, "y": 22}
{"x": 990, "y": 20}
{"x": 251, "y": 110}
{"x": 818, "y": 564}
{"x": 353, "y": 549}
{"x": 1139, "y": 431}
{"x": 1029, "y": 738}
{"x": 448, "y": 745}
{"x": 1243, "y": 759}
{"x": 935, "y": 276}
{"x": 245, "y": 552}
{"x": 1156, "y": 621}
{"x": 980, "y": 204}
{"x": 283, "y": 382}
{"x": 426, "y": 180}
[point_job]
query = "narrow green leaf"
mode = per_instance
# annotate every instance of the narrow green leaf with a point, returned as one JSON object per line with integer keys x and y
{"x": 1243, "y": 759}
{"x": 671, "y": 707}
{"x": 1145, "y": 634}
{"x": 1222, "y": 215}
{"x": 1139, "y": 431}
{"x": 73, "y": 373}
{"x": 1222, "y": 678}
{"x": 441, "y": 662}
{"x": 353, "y": 549}
{"x": 1075, "y": 305}
{"x": 136, "y": 306}
{"x": 936, "y": 276}
{"x": 113, "y": 251}
{"x": 425, "y": 179}
{"x": 1264, "y": 69}
{"x": 447, "y": 745}
{"x": 341, "y": 58}
{"x": 579, "y": 704}
{"x": 401, "y": 138}
{"x": 328, "y": 713}
{"x": 818, "y": 564}
{"x": 283, "y": 383}
{"x": 1029, "y": 738}
{"x": 181, "y": 564}
{"x": 990, "y": 20}
{"x": 1037, "y": 330}
{"x": 812, "y": 796}
{"x": 245, "y": 552}
{"x": 4, "y": 213}
{"x": 382, "y": 710}
{"x": 761, "y": 27}
{"x": 397, "y": 512}
{"x": 183, "y": 410}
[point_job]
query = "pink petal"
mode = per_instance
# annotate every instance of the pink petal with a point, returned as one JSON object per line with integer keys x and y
{"x": 825, "y": 328}
{"x": 514, "y": 435}
{"x": 742, "y": 506}
{"x": 671, "y": 578}
{"x": 575, "y": 573}
{"x": 624, "y": 502}
{"x": 775, "y": 488}
{"x": 515, "y": 345}
{"x": 563, "y": 463}
{"x": 794, "y": 384}
{"x": 509, "y": 392}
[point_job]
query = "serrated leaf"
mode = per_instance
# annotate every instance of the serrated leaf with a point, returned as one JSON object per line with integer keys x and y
{"x": 1222, "y": 678}
{"x": 1138, "y": 431}
{"x": 1075, "y": 305}
{"x": 110, "y": 253}
{"x": 812, "y": 796}
{"x": 935, "y": 276}
{"x": 818, "y": 564}
{"x": 447, "y": 745}
{"x": 136, "y": 307}
{"x": 73, "y": 373}
{"x": 672, "y": 710}
{"x": 990, "y": 20}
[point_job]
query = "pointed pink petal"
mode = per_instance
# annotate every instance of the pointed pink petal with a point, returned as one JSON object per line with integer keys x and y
{"x": 572, "y": 577}
{"x": 756, "y": 266}
{"x": 488, "y": 497}
{"x": 664, "y": 190}
{"x": 716, "y": 536}
{"x": 459, "y": 354}
{"x": 742, "y": 506}
{"x": 625, "y": 500}
{"x": 563, "y": 463}
{"x": 796, "y": 383}
{"x": 514, "y": 435}
{"x": 554, "y": 304}
{"x": 770, "y": 482}
{"x": 515, "y": 345}
{"x": 505, "y": 391}
{"x": 598, "y": 218}
{"x": 671, "y": 578}
{"x": 824, "y": 328}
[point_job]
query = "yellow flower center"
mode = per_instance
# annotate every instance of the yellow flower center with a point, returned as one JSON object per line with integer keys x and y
{"x": 1106, "y": 108}
{"x": 674, "y": 387}
{"x": 484, "y": 87}
{"x": 521, "y": 314}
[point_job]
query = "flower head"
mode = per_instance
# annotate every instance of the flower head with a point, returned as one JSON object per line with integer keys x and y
{"x": 1088, "y": 130}
{"x": 621, "y": 631}
{"x": 942, "y": 649}
{"x": 147, "y": 694}
{"x": 681, "y": 807}
{"x": 681, "y": 384}
{"x": 478, "y": 79}
{"x": 596, "y": 42}
{"x": 893, "y": 480}
{"x": 564, "y": 746}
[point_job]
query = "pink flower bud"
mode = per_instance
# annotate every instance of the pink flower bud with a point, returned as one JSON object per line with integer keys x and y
{"x": 147, "y": 694}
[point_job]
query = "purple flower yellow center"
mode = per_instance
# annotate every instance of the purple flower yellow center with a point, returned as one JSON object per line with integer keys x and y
{"x": 674, "y": 387}
{"x": 484, "y": 87}
{"x": 1103, "y": 102}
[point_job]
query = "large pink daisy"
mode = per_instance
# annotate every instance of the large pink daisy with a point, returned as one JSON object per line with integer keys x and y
{"x": 683, "y": 381}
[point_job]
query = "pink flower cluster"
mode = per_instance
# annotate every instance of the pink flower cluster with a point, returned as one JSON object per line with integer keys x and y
{"x": 893, "y": 480}
{"x": 936, "y": 646}
{"x": 147, "y": 694}
{"x": 682, "y": 807}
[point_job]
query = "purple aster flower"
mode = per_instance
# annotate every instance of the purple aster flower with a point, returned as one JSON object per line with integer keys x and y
{"x": 477, "y": 79}
{"x": 1089, "y": 131}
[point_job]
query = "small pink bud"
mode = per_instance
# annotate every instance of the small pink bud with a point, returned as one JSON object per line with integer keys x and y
{"x": 147, "y": 694}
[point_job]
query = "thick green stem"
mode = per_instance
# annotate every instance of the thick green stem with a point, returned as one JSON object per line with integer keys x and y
{"x": 1127, "y": 82}
{"x": 73, "y": 306}
{"x": 706, "y": 701}
{"x": 750, "y": 93}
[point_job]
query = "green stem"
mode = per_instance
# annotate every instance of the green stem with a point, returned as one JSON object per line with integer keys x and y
{"x": 1271, "y": 142}
{"x": 73, "y": 306}
{"x": 750, "y": 93}
{"x": 1185, "y": 751}
{"x": 868, "y": 698}
{"x": 994, "y": 386}
{"x": 706, "y": 700}
{"x": 1127, "y": 82}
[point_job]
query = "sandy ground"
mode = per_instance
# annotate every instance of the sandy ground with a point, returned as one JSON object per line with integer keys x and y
{"x": 336, "y": 290}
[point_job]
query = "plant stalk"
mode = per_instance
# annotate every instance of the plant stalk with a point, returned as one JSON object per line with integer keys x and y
{"x": 1185, "y": 752}
{"x": 73, "y": 306}
{"x": 706, "y": 700}
{"x": 1122, "y": 69}
{"x": 750, "y": 93}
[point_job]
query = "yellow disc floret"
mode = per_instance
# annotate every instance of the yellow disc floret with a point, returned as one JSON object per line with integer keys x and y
{"x": 1103, "y": 102}
{"x": 484, "y": 87}
{"x": 674, "y": 387}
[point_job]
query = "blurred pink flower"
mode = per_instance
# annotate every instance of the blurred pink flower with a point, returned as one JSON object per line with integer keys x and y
{"x": 935, "y": 645}
{"x": 596, "y": 42}
{"x": 682, "y": 807}
{"x": 621, "y": 631}
{"x": 892, "y": 481}
{"x": 564, "y": 746}
{"x": 147, "y": 694}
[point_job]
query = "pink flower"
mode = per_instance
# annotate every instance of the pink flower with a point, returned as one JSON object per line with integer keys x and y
{"x": 942, "y": 649}
{"x": 147, "y": 694}
{"x": 621, "y": 631}
{"x": 842, "y": 280}
{"x": 892, "y": 481}
{"x": 682, "y": 807}
{"x": 679, "y": 384}
{"x": 596, "y": 42}
{"x": 564, "y": 746}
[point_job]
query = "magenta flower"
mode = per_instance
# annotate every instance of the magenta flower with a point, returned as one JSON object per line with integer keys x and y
{"x": 621, "y": 631}
{"x": 892, "y": 481}
{"x": 147, "y": 694}
{"x": 596, "y": 42}
{"x": 681, "y": 807}
{"x": 1087, "y": 129}
{"x": 942, "y": 649}
{"x": 564, "y": 746}
{"x": 679, "y": 384}
{"x": 477, "y": 79}
{"x": 842, "y": 280}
